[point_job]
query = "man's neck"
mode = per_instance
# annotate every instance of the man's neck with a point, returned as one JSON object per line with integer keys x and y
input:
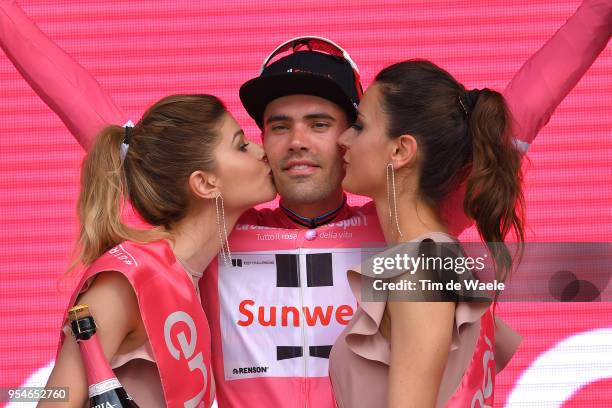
{"x": 322, "y": 209}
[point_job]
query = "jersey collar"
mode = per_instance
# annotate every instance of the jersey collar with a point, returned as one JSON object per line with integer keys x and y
{"x": 314, "y": 222}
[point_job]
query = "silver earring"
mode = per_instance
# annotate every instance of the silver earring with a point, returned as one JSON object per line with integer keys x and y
{"x": 222, "y": 228}
{"x": 391, "y": 171}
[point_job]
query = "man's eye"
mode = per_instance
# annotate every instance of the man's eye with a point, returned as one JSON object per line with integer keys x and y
{"x": 320, "y": 125}
{"x": 278, "y": 128}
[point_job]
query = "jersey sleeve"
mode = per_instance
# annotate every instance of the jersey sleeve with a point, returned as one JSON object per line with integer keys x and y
{"x": 544, "y": 81}
{"x": 551, "y": 73}
{"x": 64, "y": 85}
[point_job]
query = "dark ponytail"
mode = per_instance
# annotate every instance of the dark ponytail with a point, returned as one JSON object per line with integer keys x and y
{"x": 463, "y": 137}
{"x": 494, "y": 195}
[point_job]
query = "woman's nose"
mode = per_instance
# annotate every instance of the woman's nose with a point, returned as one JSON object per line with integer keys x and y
{"x": 260, "y": 153}
{"x": 343, "y": 140}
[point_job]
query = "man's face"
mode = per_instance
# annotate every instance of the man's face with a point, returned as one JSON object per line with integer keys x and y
{"x": 300, "y": 140}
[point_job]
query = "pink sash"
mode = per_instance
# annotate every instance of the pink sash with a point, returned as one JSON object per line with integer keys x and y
{"x": 478, "y": 382}
{"x": 175, "y": 323}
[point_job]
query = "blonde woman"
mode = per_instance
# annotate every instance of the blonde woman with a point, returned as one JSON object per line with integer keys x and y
{"x": 188, "y": 171}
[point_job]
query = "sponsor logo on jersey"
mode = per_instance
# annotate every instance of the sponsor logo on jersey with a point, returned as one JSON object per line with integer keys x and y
{"x": 267, "y": 316}
{"x": 283, "y": 310}
{"x": 250, "y": 370}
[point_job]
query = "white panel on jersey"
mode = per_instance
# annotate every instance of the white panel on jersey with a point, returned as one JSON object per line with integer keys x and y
{"x": 282, "y": 324}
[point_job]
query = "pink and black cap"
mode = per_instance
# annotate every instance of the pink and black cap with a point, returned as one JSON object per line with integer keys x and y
{"x": 315, "y": 66}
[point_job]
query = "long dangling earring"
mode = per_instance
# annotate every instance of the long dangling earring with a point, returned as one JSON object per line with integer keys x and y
{"x": 391, "y": 172}
{"x": 222, "y": 228}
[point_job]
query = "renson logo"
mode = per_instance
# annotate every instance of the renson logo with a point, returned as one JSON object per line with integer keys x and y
{"x": 250, "y": 370}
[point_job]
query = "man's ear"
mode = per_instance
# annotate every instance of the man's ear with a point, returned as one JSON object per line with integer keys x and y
{"x": 204, "y": 184}
{"x": 404, "y": 151}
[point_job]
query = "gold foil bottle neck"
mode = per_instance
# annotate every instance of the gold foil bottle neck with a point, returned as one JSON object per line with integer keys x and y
{"x": 78, "y": 312}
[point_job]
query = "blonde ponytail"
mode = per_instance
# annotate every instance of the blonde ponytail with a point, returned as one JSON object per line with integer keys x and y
{"x": 174, "y": 138}
{"x": 101, "y": 200}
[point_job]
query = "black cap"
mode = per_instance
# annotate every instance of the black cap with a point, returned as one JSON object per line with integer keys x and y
{"x": 303, "y": 72}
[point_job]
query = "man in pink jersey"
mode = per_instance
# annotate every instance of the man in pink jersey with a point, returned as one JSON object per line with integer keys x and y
{"x": 276, "y": 313}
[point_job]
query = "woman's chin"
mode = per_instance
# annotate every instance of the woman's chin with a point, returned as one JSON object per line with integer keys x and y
{"x": 270, "y": 195}
{"x": 356, "y": 188}
{"x": 349, "y": 186}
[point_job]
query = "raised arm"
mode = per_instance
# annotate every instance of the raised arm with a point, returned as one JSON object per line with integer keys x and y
{"x": 64, "y": 85}
{"x": 544, "y": 81}
{"x": 551, "y": 73}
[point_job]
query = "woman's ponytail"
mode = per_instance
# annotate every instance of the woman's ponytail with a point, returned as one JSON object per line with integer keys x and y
{"x": 494, "y": 195}
{"x": 174, "y": 138}
{"x": 101, "y": 199}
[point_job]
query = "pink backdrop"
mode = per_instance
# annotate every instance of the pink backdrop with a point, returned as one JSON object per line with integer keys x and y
{"x": 142, "y": 50}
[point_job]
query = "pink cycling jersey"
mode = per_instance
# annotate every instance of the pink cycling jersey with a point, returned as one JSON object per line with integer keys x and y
{"x": 272, "y": 319}
{"x": 276, "y": 312}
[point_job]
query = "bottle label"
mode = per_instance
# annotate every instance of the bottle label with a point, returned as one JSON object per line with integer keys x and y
{"x": 104, "y": 386}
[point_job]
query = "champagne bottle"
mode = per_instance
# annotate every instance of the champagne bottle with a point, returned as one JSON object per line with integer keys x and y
{"x": 104, "y": 388}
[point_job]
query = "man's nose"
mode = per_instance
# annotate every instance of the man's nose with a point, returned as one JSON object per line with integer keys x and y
{"x": 299, "y": 138}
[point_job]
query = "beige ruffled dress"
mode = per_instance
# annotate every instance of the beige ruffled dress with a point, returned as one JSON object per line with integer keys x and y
{"x": 360, "y": 358}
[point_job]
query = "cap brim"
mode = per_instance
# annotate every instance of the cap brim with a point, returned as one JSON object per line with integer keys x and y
{"x": 257, "y": 93}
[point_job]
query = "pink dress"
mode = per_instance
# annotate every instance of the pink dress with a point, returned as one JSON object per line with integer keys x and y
{"x": 360, "y": 358}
